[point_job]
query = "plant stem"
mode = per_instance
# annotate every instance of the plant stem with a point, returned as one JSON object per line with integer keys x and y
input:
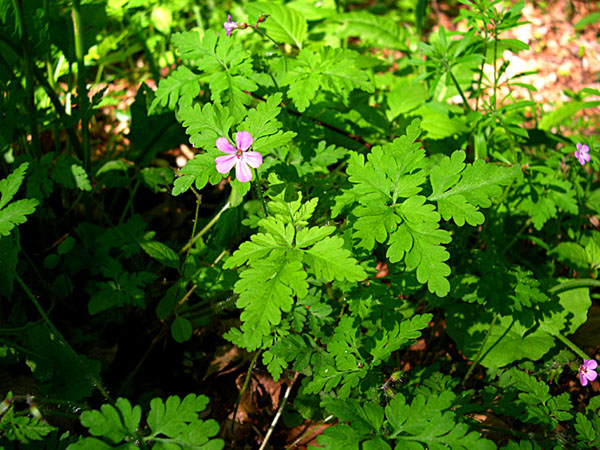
{"x": 259, "y": 194}
{"x": 574, "y": 284}
{"x": 245, "y": 386}
{"x": 263, "y": 34}
{"x": 571, "y": 346}
{"x": 279, "y": 411}
{"x": 82, "y": 93}
{"x": 458, "y": 88}
{"x": 204, "y": 230}
{"x": 516, "y": 237}
{"x": 29, "y": 87}
{"x": 481, "y": 347}
{"x": 92, "y": 377}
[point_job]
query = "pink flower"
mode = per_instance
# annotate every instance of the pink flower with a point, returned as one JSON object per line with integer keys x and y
{"x": 230, "y": 25}
{"x": 587, "y": 371}
{"x": 583, "y": 155}
{"x": 238, "y": 157}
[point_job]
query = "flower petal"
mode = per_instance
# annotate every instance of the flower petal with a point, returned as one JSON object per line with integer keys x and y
{"x": 578, "y": 146}
{"x": 224, "y": 145}
{"x": 583, "y": 380}
{"x": 591, "y": 375}
{"x": 242, "y": 171}
{"x": 254, "y": 159}
{"x": 591, "y": 364}
{"x": 243, "y": 140}
{"x": 225, "y": 163}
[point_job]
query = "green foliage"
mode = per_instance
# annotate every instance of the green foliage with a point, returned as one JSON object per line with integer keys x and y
{"x": 14, "y": 213}
{"x": 386, "y": 186}
{"x": 173, "y": 424}
{"x": 329, "y": 70}
{"x": 411, "y": 213}
{"x": 278, "y": 259}
{"x": 421, "y": 423}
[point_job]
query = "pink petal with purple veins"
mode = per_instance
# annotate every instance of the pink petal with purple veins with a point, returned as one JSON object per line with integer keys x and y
{"x": 254, "y": 159}
{"x": 225, "y": 146}
{"x": 583, "y": 380}
{"x": 591, "y": 364}
{"x": 243, "y": 140}
{"x": 243, "y": 172}
{"x": 225, "y": 163}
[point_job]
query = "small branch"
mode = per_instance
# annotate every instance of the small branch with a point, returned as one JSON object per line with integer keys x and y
{"x": 279, "y": 411}
{"x": 245, "y": 386}
{"x": 82, "y": 92}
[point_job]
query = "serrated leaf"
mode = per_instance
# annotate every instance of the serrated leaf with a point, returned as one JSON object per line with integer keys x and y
{"x": 114, "y": 424}
{"x": 16, "y": 214}
{"x": 266, "y": 289}
{"x": 327, "y": 259}
{"x": 431, "y": 422}
{"x": 206, "y": 123}
{"x": 11, "y": 184}
{"x": 330, "y": 70}
{"x": 460, "y": 189}
{"x": 181, "y": 83}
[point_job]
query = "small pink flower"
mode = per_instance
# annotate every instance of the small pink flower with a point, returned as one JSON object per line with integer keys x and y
{"x": 238, "y": 156}
{"x": 587, "y": 371}
{"x": 230, "y": 25}
{"x": 582, "y": 154}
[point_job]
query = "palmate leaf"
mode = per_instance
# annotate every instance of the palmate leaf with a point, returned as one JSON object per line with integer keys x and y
{"x": 460, "y": 189}
{"x": 173, "y": 425}
{"x": 224, "y": 64}
{"x": 542, "y": 196}
{"x": 330, "y": 70}
{"x": 264, "y": 127}
{"x": 431, "y": 422}
{"x": 386, "y": 185}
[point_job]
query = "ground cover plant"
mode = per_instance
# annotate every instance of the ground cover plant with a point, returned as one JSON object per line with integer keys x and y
{"x": 328, "y": 224}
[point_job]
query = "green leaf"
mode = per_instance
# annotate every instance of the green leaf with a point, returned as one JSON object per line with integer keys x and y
{"x": 460, "y": 189}
{"x": 284, "y": 24}
{"x": 513, "y": 337}
{"x": 181, "y": 329}
{"x": 178, "y": 420}
{"x": 181, "y": 83}
{"x": 266, "y": 289}
{"x": 338, "y": 437}
{"x": 571, "y": 254}
{"x": 161, "y": 252}
{"x": 560, "y": 115}
{"x": 330, "y": 70}
{"x": 381, "y": 31}
{"x": 431, "y": 422}
{"x": 15, "y": 214}
{"x": 114, "y": 424}
{"x": 206, "y": 124}
{"x": 328, "y": 260}
{"x": 405, "y": 97}
{"x": 11, "y": 184}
